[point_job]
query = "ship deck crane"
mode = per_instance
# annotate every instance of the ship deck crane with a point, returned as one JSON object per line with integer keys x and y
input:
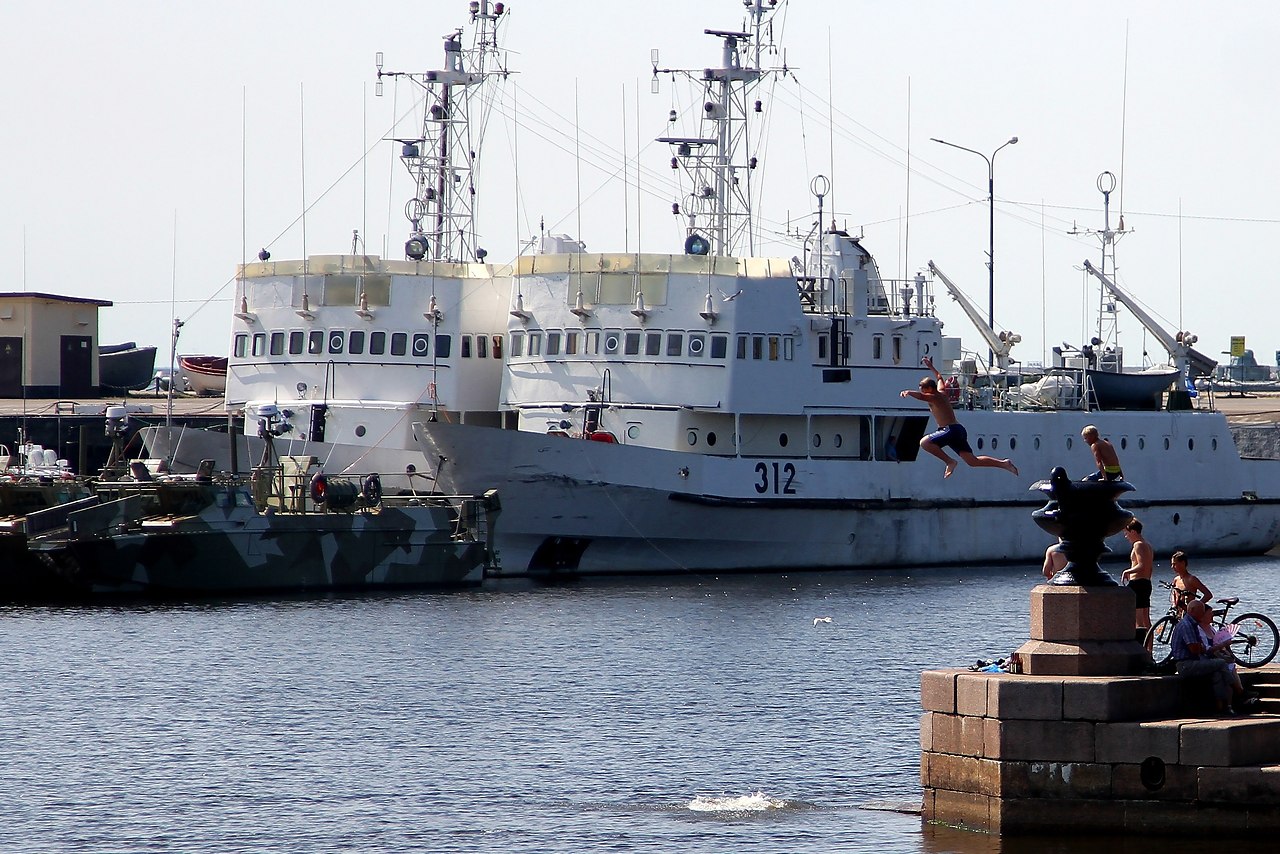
{"x": 1189, "y": 361}
{"x": 1000, "y": 343}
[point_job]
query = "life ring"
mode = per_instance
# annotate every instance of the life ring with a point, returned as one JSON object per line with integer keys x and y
{"x": 603, "y": 436}
{"x": 371, "y": 489}
{"x": 319, "y": 488}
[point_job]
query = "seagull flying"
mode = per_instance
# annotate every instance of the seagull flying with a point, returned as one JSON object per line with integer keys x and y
{"x": 817, "y": 620}
{"x": 730, "y": 297}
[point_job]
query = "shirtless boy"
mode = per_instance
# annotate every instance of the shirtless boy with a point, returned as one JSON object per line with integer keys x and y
{"x": 1138, "y": 575}
{"x": 1104, "y": 456}
{"x": 950, "y": 432}
{"x": 1054, "y": 559}
{"x": 1186, "y": 587}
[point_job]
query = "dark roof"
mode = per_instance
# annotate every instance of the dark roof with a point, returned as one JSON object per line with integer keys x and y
{"x": 55, "y": 297}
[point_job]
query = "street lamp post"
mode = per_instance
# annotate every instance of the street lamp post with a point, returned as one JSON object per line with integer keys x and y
{"x": 991, "y": 250}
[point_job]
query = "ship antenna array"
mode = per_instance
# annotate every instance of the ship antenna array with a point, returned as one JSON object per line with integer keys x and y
{"x": 1107, "y": 238}
{"x": 717, "y": 164}
{"x": 443, "y": 158}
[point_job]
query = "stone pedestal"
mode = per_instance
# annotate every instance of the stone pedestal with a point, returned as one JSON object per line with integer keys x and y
{"x": 1082, "y": 631}
{"x": 1076, "y": 755}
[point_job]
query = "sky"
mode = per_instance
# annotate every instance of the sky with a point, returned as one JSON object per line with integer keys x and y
{"x": 151, "y": 146}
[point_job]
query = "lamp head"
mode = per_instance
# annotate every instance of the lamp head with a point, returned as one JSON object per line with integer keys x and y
{"x": 1013, "y": 140}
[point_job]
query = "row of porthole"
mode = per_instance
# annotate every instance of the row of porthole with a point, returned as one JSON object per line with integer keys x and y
{"x": 1124, "y": 443}
{"x": 838, "y": 441}
{"x": 783, "y": 439}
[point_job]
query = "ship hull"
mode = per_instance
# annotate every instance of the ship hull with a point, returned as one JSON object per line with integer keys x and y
{"x": 246, "y": 552}
{"x": 582, "y": 507}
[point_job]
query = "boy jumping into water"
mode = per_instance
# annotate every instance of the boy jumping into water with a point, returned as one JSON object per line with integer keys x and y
{"x": 950, "y": 432}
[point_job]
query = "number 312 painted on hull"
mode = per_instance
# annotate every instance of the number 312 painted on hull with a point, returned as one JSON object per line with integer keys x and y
{"x": 775, "y": 479}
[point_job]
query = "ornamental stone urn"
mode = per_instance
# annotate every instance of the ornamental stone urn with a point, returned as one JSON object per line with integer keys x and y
{"x": 1082, "y": 622}
{"x": 1083, "y": 514}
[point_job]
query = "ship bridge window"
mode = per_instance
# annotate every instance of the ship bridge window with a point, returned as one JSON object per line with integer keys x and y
{"x": 241, "y": 346}
{"x": 788, "y": 348}
{"x": 591, "y": 343}
{"x": 653, "y": 343}
{"x": 517, "y": 344}
{"x": 740, "y": 348}
{"x": 482, "y": 346}
{"x": 421, "y": 344}
{"x": 571, "y": 342}
{"x": 631, "y": 343}
{"x": 697, "y": 344}
{"x": 399, "y": 343}
{"x": 376, "y": 289}
{"x": 612, "y": 341}
{"x": 774, "y": 343}
{"x": 822, "y": 347}
{"x": 277, "y": 343}
{"x": 336, "y": 341}
{"x": 377, "y": 343}
{"x": 444, "y": 346}
{"x": 877, "y": 346}
{"x": 339, "y": 289}
{"x": 553, "y": 342}
{"x": 259, "y": 343}
{"x": 616, "y": 288}
{"x": 355, "y": 342}
{"x": 897, "y": 349}
{"x": 675, "y": 344}
{"x": 757, "y": 347}
{"x": 297, "y": 340}
{"x": 466, "y": 347}
{"x": 719, "y": 346}
{"x": 535, "y": 343}
{"x": 315, "y": 342}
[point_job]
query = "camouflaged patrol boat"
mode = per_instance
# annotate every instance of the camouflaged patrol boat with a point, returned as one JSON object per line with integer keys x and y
{"x": 287, "y": 527}
{"x": 37, "y": 490}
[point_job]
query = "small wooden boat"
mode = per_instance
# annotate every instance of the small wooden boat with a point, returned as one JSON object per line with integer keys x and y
{"x": 205, "y": 374}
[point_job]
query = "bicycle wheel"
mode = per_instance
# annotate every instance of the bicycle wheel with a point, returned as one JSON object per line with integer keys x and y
{"x": 1262, "y": 640}
{"x": 1158, "y": 639}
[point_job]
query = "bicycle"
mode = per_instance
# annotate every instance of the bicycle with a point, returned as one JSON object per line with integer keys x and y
{"x": 1254, "y": 641}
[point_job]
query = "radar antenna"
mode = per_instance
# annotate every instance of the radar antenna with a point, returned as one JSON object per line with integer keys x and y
{"x": 716, "y": 163}
{"x": 443, "y": 159}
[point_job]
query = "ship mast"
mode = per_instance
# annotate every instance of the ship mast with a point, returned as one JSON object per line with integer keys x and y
{"x": 1108, "y": 331}
{"x": 717, "y": 164}
{"x": 443, "y": 159}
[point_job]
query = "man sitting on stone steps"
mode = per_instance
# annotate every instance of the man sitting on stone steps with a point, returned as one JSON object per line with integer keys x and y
{"x": 1193, "y": 658}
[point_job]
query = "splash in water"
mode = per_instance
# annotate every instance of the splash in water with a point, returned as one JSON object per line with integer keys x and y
{"x": 756, "y": 802}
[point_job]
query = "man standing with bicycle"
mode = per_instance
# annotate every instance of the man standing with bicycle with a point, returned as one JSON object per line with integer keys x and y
{"x": 1193, "y": 658}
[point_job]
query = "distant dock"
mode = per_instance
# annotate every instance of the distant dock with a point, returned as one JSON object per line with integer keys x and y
{"x": 75, "y": 429}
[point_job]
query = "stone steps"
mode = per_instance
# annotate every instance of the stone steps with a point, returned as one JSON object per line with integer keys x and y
{"x": 1266, "y": 682}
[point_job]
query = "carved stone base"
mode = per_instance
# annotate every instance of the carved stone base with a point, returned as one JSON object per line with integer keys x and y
{"x": 1082, "y": 631}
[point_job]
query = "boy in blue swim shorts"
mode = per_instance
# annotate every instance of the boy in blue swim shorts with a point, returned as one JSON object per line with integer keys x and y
{"x": 950, "y": 433}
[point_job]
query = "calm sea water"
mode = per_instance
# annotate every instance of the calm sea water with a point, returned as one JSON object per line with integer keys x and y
{"x": 682, "y": 714}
